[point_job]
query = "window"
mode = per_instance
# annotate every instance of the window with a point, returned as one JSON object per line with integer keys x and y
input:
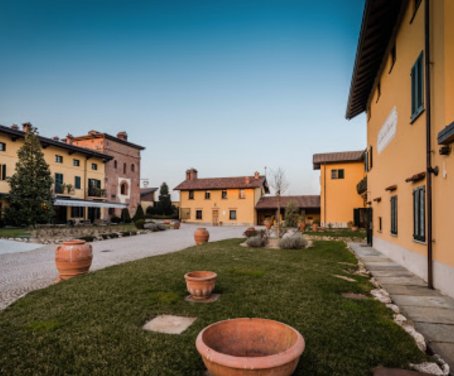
{"x": 242, "y": 194}
{"x": 207, "y": 195}
{"x": 419, "y": 215}
{"x": 58, "y": 158}
{"x": 115, "y": 164}
{"x": 124, "y": 168}
{"x": 393, "y": 57}
{"x": 2, "y": 146}
{"x": 380, "y": 224}
{"x": 191, "y": 195}
{"x": 394, "y": 215}
{"x": 2, "y": 171}
{"x": 198, "y": 214}
{"x": 224, "y": 195}
{"x": 417, "y": 88}
{"x": 94, "y": 188}
{"x": 76, "y": 162}
{"x": 58, "y": 183}
{"x": 124, "y": 188}
{"x": 337, "y": 174}
{"x": 77, "y": 212}
{"x": 232, "y": 215}
{"x": 94, "y": 166}
{"x": 133, "y": 168}
{"x": 77, "y": 182}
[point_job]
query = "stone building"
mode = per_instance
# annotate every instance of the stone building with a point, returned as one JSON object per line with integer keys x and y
{"x": 122, "y": 180}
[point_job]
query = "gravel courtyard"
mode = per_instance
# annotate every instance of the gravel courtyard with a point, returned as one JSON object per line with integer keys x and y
{"x": 22, "y": 272}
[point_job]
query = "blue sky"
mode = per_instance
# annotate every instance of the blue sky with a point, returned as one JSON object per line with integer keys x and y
{"x": 227, "y": 87}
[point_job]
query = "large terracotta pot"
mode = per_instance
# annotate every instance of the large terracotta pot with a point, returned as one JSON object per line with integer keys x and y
{"x": 250, "y": 346}
{"x": 201, "y": 236}
{"x": 200, "y": 284}
{"x": 314, "y": 227}
{"x": 73, "y": 258}
{"x": 268, "y": 223}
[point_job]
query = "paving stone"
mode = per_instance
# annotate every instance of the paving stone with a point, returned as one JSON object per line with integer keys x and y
{"x": 429, "y": 314}
{"x": 424, "y": 301}
{"x": 381, "y": 371}
{"x": 213, "y": 298}
{"x": 367, "y": 259}
{"x": 393, "y": 273}
{"x": 344, "y": 278}
{"x": 409, "y": 281}
{"x": 436, "y": 332}
{"x": 446, "y": 350}
{"x": 169, "y": 324}
{"x": 410, "y": 290}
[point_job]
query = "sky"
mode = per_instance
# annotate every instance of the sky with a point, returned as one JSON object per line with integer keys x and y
{"x": 228, "y": 87}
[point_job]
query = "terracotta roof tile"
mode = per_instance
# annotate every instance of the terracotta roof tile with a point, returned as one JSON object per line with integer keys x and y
{"x": 270, "y": 202}
{"x": 344, "y": 156}
{"x": 239, "y": 182}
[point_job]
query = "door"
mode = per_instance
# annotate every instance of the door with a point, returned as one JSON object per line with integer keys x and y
{"x": 369, "y": 226}
{"x": 215, "y": 217}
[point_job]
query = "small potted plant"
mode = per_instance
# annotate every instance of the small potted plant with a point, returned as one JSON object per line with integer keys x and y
{"x": 315, "y": 226}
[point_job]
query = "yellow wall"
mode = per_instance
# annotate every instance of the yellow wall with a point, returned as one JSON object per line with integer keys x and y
{"x": 245, "y": 208}
{"x": 406, "y": 153}
{"x": 9, "y": 157}
{"x": 338, "y": 197}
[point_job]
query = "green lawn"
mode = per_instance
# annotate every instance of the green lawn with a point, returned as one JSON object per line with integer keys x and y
{"x": 92, "y": 324}
{"x": 13, "y": 232}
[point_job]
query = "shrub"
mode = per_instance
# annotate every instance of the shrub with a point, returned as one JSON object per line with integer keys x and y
{"x": 115, "y": 219}
{"x": 125, "y": 217}
{"x": 292, "y": 216}
{"x": 256, "y": 241}
{"x": 251, "y": 231}
{"x": 161, "y": 227}
{"x": 139, "y": 214}
{"x": 87, "y": 238}
{"x": 295, "y": 241}
{"x": 140, "y": 223}
{"x": 125, "y": 233}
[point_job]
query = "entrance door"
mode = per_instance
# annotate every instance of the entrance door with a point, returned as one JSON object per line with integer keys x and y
{"x": 94, "y": 214}
{"x": 369, "y": 226}
{"x": 215, "y": 217}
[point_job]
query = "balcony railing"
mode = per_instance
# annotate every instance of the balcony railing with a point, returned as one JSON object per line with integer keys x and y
{"x": 96, "y": 192}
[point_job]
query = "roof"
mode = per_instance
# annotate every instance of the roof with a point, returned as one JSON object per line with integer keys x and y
{"x": 96, "y": 134}
{"x": 304, "y": 202}
{"x": 16, "y": 133}
{"x": 380, "y": 21}
{"x": 239, "y": 182}
{"x": 336, "y": 157}
{"x": 145, "y": 191}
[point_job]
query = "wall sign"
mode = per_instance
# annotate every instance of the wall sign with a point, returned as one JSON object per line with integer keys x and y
{"x": 387, "y": 131}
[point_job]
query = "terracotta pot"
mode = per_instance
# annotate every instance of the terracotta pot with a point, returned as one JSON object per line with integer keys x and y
{"x": 250, "y": 346}
{"x": 268, "y": 223}
{"x": 201, "y": 236}
{"x": 314, "y": 227}
{"x": 200, "y": 284}
{"x": 73, "y": 258}
{"x": 355, "y": 228}
{"x": 176, "y": 225}
{"x": 302, "y": 226}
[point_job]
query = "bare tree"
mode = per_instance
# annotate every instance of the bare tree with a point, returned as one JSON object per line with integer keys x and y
{"x": 279, "y": 184}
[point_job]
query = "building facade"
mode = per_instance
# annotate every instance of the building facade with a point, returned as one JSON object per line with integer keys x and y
{"x": 78, "y": 173}
{"x": 122, "y": 178}
{"x": 224, "y": 200}
{"x": 147, "y": 197}
{"x": 403, "y": 79}
{"x": 340, "y": 174}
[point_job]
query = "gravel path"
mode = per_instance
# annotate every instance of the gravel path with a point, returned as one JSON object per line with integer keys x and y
{"x": 22, "y": 272}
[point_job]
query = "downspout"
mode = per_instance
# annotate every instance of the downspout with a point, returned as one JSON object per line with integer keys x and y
{"x": 429, "y": 167}
{"x": 324, "y": 195}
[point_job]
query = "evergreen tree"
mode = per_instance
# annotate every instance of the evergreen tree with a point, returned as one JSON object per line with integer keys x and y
{"x": 139, "y": 214}
{"x": 164, "y": 205}
{"x": 30, "y": 196}
{"x": 125, "y": 216}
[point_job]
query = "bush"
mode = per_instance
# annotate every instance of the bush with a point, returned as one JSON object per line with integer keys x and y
{"x": 115, "y": 219}
{"x": 292, "y": 216}
{"x": 256, "y": 241}
{"x": 139, "y": 214}
{"x": 125, "y": 217}
{"x": 161, "y": 227}
{"x": 295, "y": 241}
{"x": 140, "y": 223}
{"x": 125, "y": 233}
{"x": 251, "y": 231}
{"x": 87, "y": 238}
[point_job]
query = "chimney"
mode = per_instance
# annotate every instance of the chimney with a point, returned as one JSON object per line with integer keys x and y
{"x": 27, "y": 127}
{"x": 56, "y": 138}
{"x": 191, "y": 174}
{"x": 122, "y": 136}
{"x": 247, "y": 179}
{"x": 93, "y": 132}
{"x": 69, "y": 138}
{"x": 256, "y": 175}
{"x": 15, "y": 127}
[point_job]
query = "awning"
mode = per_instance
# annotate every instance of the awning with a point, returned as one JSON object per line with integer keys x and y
{"x": 89, "y": 204}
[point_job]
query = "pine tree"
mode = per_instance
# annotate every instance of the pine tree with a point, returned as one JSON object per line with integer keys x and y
{"x": 30, "y": 196}
{"x": 164, "y": 205}
{"x": 139, "y": 214}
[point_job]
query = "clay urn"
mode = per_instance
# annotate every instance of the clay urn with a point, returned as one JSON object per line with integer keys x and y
{"x": 200, "y": 284}
{"x": 73, "y": 258}
{"x": 314, "y": 227}
{"x": 249, "y": 347}
{"x": 268, "y": 223}
{"x": 201, "y": 236}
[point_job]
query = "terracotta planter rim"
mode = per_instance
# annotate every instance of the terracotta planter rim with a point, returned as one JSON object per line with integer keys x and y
{"x": 74, "y": 242}
{"x": 209, "y": 275}
{"x": 260, "y": 362}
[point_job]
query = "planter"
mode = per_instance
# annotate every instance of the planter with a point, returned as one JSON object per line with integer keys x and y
{"x": 268, "y": 223}
{"x": 302, "y": 226}
{"x": 250, "y": 346}
{"x": 200, "y": 284}
{"x": 314, "y": 227}
{"x": 354, "y": 228}
{"x": 201, "y": 236}
{"x": 73, "y": 258}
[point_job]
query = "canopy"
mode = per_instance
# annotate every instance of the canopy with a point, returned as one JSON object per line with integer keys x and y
{"x": 89, "y": 204}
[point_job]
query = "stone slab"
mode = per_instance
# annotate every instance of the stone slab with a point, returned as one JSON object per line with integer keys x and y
{"x": 213, "y": 298}
{"x": 409, "y": 290}
{"x": 392, "y": 273}
{"x": 429, "y": 314}
{"x": 436, "y": 332}
{"x": 169, "y": 324}
{"x": 367, "y": 259}
{"x": 424, "y": 301}
{"x": 408, "y": 281}
{"x": 344, "y": 278}
{"x": 372, "y": 266}
{"x": 446, "y": 350}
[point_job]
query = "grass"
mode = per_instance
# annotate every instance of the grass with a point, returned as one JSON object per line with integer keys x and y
{"x": 13, "y": 232}
{"x": 92, "y": 324}
{"x": 339, "y": 233}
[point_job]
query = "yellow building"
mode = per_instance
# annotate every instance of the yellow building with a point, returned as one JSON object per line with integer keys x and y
{"x": 226, "y": 200}
{"x": 340, "y": 174}
{"x": 404, "y": 79}
{"x": 78, "y": 173}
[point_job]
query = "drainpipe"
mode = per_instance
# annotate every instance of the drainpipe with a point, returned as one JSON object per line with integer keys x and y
{"x": 324, "y": 194}
{"x": 429, "y": 167}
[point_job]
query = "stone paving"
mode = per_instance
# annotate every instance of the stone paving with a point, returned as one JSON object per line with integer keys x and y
{"x": 431, "y": 312}
{"x": 22, "y": 272}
